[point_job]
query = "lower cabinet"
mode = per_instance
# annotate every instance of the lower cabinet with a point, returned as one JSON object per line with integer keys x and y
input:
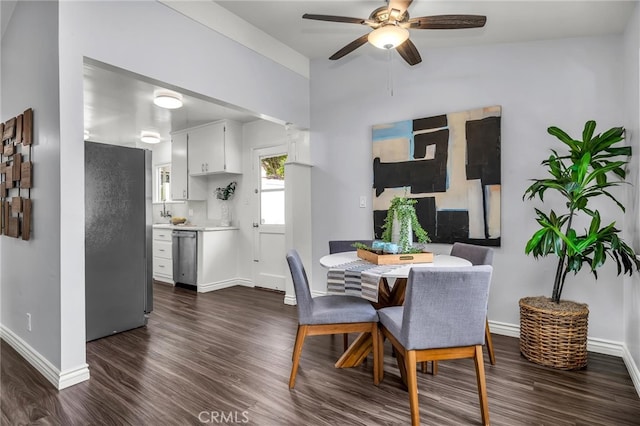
{"x": 217, "y": 259}
{"x": 162, "y": 260}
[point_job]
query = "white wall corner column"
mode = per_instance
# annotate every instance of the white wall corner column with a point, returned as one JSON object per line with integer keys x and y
{"x": 297, "y": 218}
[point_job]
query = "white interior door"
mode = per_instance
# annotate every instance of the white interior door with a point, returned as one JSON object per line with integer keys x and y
{"x": 269, "y": 265}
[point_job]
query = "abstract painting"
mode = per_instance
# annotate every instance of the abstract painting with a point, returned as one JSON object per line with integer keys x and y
{"x": 450, "y": 164}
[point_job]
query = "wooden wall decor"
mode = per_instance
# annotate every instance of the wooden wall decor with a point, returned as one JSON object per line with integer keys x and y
{"x": 16, "y": 176}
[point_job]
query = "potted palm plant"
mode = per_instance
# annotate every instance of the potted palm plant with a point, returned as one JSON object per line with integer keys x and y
{"x": 553, "y": 331}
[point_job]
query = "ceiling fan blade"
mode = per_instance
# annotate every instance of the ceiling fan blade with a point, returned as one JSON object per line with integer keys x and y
{"x": 409, "y": 52}
{"x": 447, "y": 22}
{"x": 350, "y": 47}
{"x": 332, "y": 18}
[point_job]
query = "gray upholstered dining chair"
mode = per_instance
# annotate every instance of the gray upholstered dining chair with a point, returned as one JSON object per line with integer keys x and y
{"x": 333, "y": 314}
{"x": 441, "y": 319}
{"x": 477, "y": 255}
{"x": 341, "y": 246}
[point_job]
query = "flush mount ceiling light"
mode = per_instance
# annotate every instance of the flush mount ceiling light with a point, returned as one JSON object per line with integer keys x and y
{"x": 149, "y": 137}
{"x": 388, "y": 36}
{"x": 167, "y": 99}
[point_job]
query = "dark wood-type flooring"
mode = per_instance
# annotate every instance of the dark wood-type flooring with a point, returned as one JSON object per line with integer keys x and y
{"x": 224, "y": 357}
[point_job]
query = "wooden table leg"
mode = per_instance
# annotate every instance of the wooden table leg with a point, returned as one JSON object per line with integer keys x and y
{"x": 363, "y": 345}
{"x": 397, "y": 293}
{"x": 357, "y": 352}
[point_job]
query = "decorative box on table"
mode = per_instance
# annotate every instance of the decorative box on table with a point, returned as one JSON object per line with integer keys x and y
{"x": 389, "y": 259}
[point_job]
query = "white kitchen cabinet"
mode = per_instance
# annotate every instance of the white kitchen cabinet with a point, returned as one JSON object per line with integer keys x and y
{"x": 162, "y": 255}
{"x": 217, "y": 259}
{"x": 184, "y": 186}
{"x": 215, "y": 148}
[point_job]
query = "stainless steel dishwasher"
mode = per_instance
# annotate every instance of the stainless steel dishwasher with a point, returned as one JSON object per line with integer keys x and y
{"x": 185, "y": 257}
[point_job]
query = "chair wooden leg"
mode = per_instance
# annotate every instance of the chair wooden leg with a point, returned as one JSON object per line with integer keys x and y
{"x": 489, "y": 342}
{"x": 293, "y": 352}
{"x": 376, "y": 353}
{"x": 380, "y": 356}
{"x": 424, "y": 367}
{"x": 412, "y": 386}
{"x": 482, "y": 385}
{"x": 345, "y": 341}
{"x": 297, "y": 350}
{"x": 400, "y": 360}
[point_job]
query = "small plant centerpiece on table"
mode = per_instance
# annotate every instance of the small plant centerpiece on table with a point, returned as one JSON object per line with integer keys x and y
{"x": 398, "y": 245}
{"x": 402, "y": 213}
{"x": 225, "y": 195}
{"x": 578, "y": 175}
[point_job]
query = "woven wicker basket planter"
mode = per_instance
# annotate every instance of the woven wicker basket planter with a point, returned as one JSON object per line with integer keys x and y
{"x": 554, "y": 335}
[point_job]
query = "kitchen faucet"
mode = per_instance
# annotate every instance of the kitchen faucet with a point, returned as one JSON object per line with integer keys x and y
{"x": 165, "y": 212}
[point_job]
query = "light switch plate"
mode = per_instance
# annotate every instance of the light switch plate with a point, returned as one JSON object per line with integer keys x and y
{"x": 363, "y": 201}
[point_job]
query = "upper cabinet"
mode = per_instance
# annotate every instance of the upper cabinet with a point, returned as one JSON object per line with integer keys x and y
{"x": 183, "y": 186}
{"x": 215, "y": 148}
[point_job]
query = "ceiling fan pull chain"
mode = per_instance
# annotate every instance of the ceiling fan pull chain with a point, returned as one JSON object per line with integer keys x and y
{"x": 389, "y": 73}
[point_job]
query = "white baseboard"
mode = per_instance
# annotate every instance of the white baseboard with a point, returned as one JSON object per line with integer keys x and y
{"x": 59, "y": 379}
{"x": 600, "y": 346}
{"x": 219, "y": 285}
{"x": 290, "y": 299}
{"x": 504, "y": 329}
{"x": 245, "y": 282}
{"x": 632, "y": 368}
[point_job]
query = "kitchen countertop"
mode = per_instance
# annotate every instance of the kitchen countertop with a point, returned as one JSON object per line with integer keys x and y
{"x": 194, "y": 227}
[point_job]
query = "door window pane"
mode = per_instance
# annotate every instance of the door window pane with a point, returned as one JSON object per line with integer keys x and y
{"x": 272, "y": 190}
{"x": 272, "y": 208}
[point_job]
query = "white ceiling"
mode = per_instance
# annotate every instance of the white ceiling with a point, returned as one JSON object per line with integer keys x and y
{"x": 507, "y": 21}
{"x": 118, "y": 104}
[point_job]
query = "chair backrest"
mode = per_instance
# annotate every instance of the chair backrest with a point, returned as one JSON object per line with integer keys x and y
{"x": 477, "y": 255}
{"x": 340, "y": 246}
{"x": 300, "y": 286}
{"x": 445, "y": 307}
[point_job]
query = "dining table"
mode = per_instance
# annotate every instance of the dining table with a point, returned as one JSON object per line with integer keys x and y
{"x": 350, "y": 275}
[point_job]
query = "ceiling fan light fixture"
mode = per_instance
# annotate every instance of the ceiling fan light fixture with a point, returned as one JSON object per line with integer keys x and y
{"x": 388, "y": 36}
{"x": 149, "y": 137}
{"x": 167, "y": 99}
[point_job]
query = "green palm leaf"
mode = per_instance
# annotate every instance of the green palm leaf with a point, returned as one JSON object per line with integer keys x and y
{"x": 586, "y": 171}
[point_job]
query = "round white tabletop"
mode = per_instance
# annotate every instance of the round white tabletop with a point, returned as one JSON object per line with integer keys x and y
{"x": 439, "y": 260}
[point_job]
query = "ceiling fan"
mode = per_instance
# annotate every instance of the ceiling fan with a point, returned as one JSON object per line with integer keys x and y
{"x": 391, "y": 26}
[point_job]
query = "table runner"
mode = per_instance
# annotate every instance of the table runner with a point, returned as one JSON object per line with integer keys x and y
{"x": 358, "y": 278}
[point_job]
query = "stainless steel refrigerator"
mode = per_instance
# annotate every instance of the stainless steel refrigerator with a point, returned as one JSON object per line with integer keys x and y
{"x": 118, "y": 274}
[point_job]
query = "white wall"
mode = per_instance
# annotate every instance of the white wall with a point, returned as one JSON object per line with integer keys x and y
{"x": 632, "y": 218}
{"x": 161, "y": 153}
{"x": 30, "y": 270}
{"x": 144, "y": 37}
{"x": 150, "y": 39}
{"x": 538, "y": 84}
